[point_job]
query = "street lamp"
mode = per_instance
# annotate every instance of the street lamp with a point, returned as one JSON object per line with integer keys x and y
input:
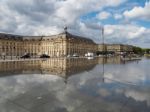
{"x": 102, "y": 35}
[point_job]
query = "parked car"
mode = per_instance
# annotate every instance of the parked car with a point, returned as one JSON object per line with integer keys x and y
{"x": 26, "y": 56}
{"x": 44, "y": 56}
{"x": 75, "y": 55}
{"x": 89, "y": 54}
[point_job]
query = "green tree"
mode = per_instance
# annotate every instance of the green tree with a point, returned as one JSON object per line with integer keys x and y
{"x": 138, "y": 50}
{"x": 147, "y": 51}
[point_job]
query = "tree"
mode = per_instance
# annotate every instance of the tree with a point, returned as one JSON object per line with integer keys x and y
{"x": 147, "y": 51}
{"x": 138, "y": 50}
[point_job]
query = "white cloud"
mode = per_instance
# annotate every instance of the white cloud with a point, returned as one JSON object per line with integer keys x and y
{"x": 20, "y": 16}
{"x": 32, "y": 17}
{"x": 125, "y": 31}
{"x": 129, "y": 78}
{"x": 139, "y": 12}
{"x": 142, "y": 95}
{"x": 117, "y": 16}
{"x": 103, "y": 15}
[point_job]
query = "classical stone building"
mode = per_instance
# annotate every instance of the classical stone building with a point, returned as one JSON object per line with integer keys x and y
{"x": 55, "y": 46}
{"x": 60, "y": 45}
{"x": 10, "y": 45}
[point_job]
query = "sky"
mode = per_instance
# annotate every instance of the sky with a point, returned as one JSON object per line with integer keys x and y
{"x": 124, "y": 21}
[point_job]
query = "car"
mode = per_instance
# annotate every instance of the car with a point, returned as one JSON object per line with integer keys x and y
{"x": 44, "y": 56}
{"x": 26, "y": 56}
{"x": 68, "y": 56}
{"x": 75, "y": 55}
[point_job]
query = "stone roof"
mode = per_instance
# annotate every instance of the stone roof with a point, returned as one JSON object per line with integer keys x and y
{"x": 69, "y": 35}
{"x": 32, "y": 38}
{"x": 10, "y": 36}
{"x": 19, "y": 37}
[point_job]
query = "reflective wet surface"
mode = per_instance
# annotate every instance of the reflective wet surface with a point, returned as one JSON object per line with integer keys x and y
{"x": 75, "y": 85}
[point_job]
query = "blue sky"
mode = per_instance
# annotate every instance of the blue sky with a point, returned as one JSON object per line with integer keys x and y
{"x": 124, "y": 21}
{"x": 128, "y": 5}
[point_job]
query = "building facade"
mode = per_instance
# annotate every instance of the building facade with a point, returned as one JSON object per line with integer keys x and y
{"x": 116, "y": 48}
{"x": 55, "y": 46}
{"x": 60, "y": 45}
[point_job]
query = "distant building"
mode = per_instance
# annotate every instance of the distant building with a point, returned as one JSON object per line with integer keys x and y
{"x": 116, "y": 48}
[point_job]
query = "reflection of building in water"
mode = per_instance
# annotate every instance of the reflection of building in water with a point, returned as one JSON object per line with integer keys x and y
{"x": 17, "y": 67}
{"x": 55, "y": 66}
{"x": 110, "y": 60}
{"x": 66, "y": 67}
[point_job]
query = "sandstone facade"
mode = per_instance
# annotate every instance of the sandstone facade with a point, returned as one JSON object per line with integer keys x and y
{"x": 60, "y": 45}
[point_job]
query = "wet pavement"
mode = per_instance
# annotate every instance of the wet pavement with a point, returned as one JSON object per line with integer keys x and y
{"x": 75, "y": 85}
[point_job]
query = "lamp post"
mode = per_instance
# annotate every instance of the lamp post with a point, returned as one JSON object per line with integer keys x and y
{"x": 102, "y": 35}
